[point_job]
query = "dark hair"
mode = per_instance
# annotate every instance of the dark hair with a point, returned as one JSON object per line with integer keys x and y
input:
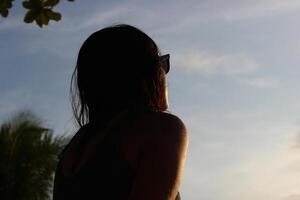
{"x": 117, "y": 68}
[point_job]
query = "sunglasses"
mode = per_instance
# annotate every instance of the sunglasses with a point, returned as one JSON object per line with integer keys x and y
{"x": 165, "y": 62}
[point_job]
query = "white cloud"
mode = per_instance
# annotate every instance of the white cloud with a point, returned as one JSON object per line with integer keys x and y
{"x": 95, "y": 20}
{"x": 237, "y": 65}
{"x": 259, "y": 8}
{"x": 207, "y": 63}
{"x": 265, "y": 176}
{"x": 260, "y": 82}
{"x": 296, "y": 142}
{"x": 102, "y": 17}
{"x": 292, "y": 197}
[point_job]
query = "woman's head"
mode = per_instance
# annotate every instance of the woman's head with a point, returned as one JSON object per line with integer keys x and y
{"x": 117, "y": 68}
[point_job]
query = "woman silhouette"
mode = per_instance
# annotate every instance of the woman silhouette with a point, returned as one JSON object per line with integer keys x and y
{"x": 127, "y": 146}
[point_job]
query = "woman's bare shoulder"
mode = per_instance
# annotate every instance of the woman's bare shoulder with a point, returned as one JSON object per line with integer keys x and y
{"x": 161, "y": 126}
{"x": 162, "y": 157}
{"x": 162, "y": 120}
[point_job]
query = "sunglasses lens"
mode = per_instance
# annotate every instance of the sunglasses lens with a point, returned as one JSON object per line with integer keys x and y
{"x": 165, "y": 62}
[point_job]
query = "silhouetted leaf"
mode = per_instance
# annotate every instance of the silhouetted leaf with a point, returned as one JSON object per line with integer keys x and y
{"x": 27, "y": 4}
{"x": 30, "y": 16}
{"x": 39, "y": 20}
{"x": 50, "y": 3}
{"x": 38, "y": 10}
{"x": 37, "y": 3}
{"x": 5, "y": 5}
{"x": 4, "y": 12}
{"x": 53, "y": 15}
{"x": 9, "y": 2}
{"x": 44, "y": 18}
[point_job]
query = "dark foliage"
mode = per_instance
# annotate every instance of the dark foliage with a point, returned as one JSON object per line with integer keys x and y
{"x": 40, "y": 11}
{"x": 28, "y": 158}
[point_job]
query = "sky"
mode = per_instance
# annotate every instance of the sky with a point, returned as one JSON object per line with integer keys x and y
{"x": 234, "y": 81}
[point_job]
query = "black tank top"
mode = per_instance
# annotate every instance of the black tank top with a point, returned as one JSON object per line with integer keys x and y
{"x": 106, "y": 174}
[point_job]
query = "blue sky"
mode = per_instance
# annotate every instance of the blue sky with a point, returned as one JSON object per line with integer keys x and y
{"x": 234, "y": 81}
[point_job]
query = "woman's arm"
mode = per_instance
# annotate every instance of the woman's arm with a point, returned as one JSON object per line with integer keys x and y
{"x": 162, "y": 160}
